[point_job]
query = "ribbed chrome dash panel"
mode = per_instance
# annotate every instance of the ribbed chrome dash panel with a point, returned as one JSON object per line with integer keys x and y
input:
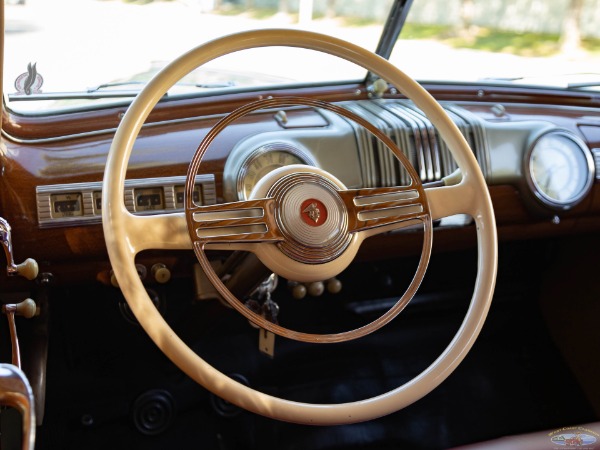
{"x": 409, "y": 128}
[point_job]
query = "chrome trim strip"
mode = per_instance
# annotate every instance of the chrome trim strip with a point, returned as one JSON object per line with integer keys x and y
{"x": 480, "y": 147}
{"x": 365, "y": 149}
{"x": 464, "y": 128}
{"x": 92, "y": 215}
{"x": 433, "y": 140}
{"x": 144, "y": 126}
{"x": 413, "y": 135}
{"x": 105, "y": 131}
{"x": 383, "y": 154}
{"x": 400, "y": 196}
{"x": 394, "y": 211}
{"x": 228, "y": 214}
{"x": 596, "y": 153}
{"x": 391, "y": 128}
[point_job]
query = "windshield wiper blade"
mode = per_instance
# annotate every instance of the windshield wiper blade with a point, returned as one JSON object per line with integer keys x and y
{"x": 584, "y": 84}
{"x": 114, "y": 84}
{"x": 98, "y": 92}
{"x": 502, "y": 79}
{"x": 128, "y": 83}
{"x": 71, "y": 95}
{"x": 209, "y": 85}
{"x": 90, "y": 94}
{"x": 572, "y": 85}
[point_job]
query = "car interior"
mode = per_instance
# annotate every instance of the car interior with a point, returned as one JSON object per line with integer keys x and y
{"x": 384, "y": 261}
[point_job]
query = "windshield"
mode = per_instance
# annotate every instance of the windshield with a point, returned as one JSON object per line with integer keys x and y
{"x": 552, "y": 43}
{"x": 111, "y": 47}
{"x": 68, "y": 54}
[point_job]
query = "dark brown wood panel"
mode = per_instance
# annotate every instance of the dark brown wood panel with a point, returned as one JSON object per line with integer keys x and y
{"x": 165, "y": 147}
{"x": 39, "y": 127}
{"x": 74, "y": 123}
{"x": 513, "y": 94}
{"x": 78, "y": 254}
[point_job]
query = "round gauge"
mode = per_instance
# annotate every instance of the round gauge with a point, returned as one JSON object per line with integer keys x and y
{"x": 264, "y": 160}
{"x": 560, "y": 169}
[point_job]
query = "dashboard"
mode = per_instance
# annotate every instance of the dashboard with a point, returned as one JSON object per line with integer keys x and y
{"x": 541, "y": 164}
{"x": 540, "y": 161}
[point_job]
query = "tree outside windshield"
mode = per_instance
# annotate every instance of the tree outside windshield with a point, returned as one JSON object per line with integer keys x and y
{"x": 535, "y": 42}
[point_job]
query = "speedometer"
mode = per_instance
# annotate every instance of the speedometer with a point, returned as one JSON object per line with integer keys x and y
{"x": 264, "y": 160}
{"x": 560, "y": 169}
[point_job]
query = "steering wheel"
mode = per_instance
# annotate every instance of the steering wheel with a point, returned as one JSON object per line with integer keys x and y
{"x": 270, "y": 218}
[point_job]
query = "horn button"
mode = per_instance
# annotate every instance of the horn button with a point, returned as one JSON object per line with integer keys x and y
{"x": 312, "y": 217}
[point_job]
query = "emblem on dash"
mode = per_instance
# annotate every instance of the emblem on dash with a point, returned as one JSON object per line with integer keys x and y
{"x": 29, "y": 82}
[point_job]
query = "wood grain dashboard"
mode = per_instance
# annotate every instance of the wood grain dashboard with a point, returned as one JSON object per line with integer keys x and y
{"x": 72, "y": 148}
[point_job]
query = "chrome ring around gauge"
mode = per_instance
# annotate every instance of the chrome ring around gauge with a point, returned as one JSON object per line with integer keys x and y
{"x": 266, "y": 159}
{"x": 559, "y": 169}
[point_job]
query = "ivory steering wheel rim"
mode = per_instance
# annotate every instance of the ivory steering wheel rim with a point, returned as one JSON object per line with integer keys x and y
{"x": 126, "y": 234}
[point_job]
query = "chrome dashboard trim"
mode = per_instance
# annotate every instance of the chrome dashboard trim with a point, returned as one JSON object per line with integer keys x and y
{"x": 539, "y": 194}
{"x": 596, "y": 154}
{"x": 114, "y": 130}
{"x": 281, "y": 146}
{"x": 414, "y": 133}
{"x": 92, "y": 215}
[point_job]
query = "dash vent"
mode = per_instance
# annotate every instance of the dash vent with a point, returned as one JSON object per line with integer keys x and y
{"x": 409, "y": 128}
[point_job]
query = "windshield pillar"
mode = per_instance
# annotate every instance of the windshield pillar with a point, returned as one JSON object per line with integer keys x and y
{"x": 391, "y": 31}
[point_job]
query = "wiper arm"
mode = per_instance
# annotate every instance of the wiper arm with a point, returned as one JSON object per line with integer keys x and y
{"x": 91, "y": 94}
{"x": 72, "y": 95}
{"x": 114, "y": 84}
{"x": 97, "y": 92}
{"x": 502, "y": 79}
{"x": 128, "y": 83}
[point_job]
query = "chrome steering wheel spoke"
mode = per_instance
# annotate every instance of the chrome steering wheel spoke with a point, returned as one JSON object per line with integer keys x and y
{"x": 250, "y": 221}
{"x": 378, "y": 210}
{"x": 303, "y": 221}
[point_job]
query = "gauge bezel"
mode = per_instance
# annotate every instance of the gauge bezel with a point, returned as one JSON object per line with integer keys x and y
{"x": 537, "y": 190}
{"x": 285, "y": 147}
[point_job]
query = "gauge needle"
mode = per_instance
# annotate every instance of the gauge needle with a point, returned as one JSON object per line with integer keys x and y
{"x": 545, "y": 183}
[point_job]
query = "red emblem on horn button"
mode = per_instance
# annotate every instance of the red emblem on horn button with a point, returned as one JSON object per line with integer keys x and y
{"x": 313, "y": 212}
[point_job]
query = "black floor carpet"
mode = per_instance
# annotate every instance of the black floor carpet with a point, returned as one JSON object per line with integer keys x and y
{"x": 514, "y": 380}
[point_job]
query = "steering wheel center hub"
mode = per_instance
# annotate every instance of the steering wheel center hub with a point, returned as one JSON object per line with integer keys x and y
{"x": 312, "y": 217}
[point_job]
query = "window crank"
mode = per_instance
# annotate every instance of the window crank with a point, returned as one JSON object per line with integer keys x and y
{"x": 28, "y": 268}
{"x": 27, "y": 308}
